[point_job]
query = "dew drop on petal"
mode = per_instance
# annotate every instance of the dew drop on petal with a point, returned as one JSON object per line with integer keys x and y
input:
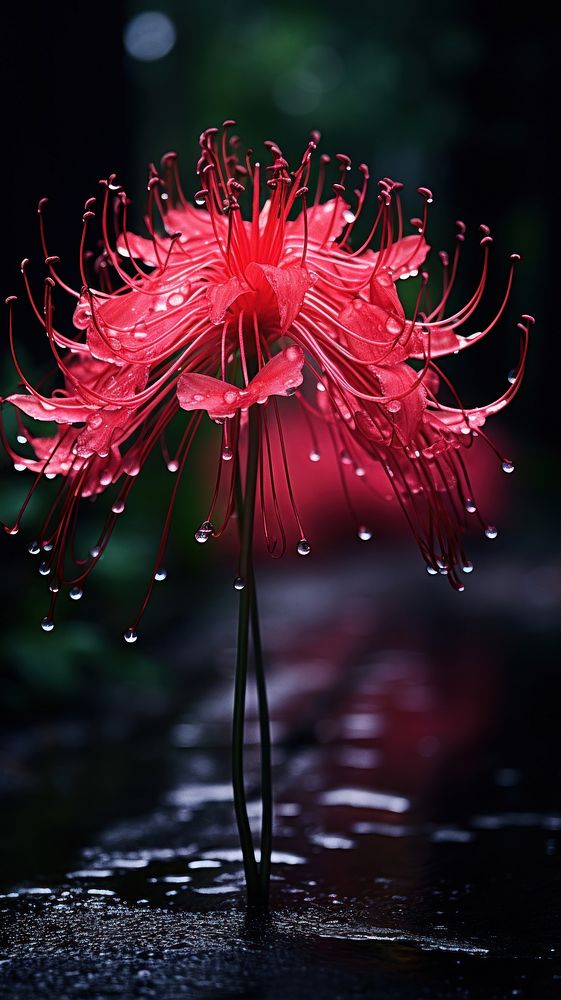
{"x": 394, "y": 406}
{"x": 360, "y": 471}
{"x": 303, "y": 548}
{"x": 75, "y": 593}
{"x": 393, "y": 325}
{"x": 21, "y": 439}
{"x": 364, "y": 533}
{"x": 315, "y": 456}
{"x": 19, "y": 467}
{"x": 508, "y": 467}
{"x": 47, "y": 625}
{"x": 239, "y": 583}
{"x": 130, "y": 635}
{"x": 160, "y": 574}
{"x": 491, "y": 531}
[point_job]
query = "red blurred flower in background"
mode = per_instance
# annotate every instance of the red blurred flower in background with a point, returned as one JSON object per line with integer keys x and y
{"x": 264, "y": 290}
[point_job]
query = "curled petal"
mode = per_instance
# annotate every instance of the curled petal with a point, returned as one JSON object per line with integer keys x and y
{"x": 222, "y": 296}
{"x": 289, "y": 286}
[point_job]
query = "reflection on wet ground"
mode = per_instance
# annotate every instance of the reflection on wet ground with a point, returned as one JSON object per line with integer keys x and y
{"x": 417, "y": 832}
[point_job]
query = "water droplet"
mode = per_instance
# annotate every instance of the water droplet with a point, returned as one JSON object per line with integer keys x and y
{"x": 394, "y": 406}
{"x": 315, "y": 456}
{"x": 176, "y": 299}
{"x": 432, "y": 571}
{"x": 75, "y": 593}
{"x": 118, "y": 507}
{"x": 13, "y": 530}
{"x": 47, "y": 546}
{"x": 467, "y": 567}
{"x": 203, "y": 533}
{"x": 50, "y": 475}
{"x": 19, "y": 467}
{"x": 364, "y": 534}
{"x": 44, "y": 569}
{"x": 94, "y": 552}
{"x": 345, "y": 457}
{"x": 470, "y": 505}
{"x": 160, "y": 574}
{"x": 173, "y": 465}
{"x": 130, "y": 635}
{"x": 303, "y": 548}
{"x": 34, "y": 549}
{"x": 512, "y": 376}
{"x": 508, "y": 467}
{"x": 491, "y": 531}
{"x": 360, "y": 472}
{"x": 393, "y": 325}
{"x": 227, "y": 454}
{"x": 47, "y": 625}
{"x": 239, "y": 583}
{"x": 54, "y": 586}
{"x": 320, "y": 387}
{"x": 21, "y": 439}
{"x": 96, "y": 421}
{"x": 200, "y": 201}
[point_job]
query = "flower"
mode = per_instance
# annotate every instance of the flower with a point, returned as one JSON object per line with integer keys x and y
{"x": 259, "y": 290}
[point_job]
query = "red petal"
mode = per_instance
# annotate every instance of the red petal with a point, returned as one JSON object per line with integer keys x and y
{"x": 221, "y": 297}
{"x": 201, "y": 392}
{"x": 143, "y": 249}
{"x": 279, "y": 377}
{"x": 404, "y": 256}
{"x": 289, "y": 286}
{"x": 394, "y": 423}
{"x": 319, "y": 221}
{"x": 384, "y": 336}
{"x": 61, "y": 409}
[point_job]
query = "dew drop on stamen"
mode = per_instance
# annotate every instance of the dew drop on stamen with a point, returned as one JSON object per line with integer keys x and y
{"x": 227, "y": 454}
{"x": 239, "y": 583}
{"x": 491, "y": 531}
{"x": 512, "y": 376}
{"x": 34, "y": 549}
{"x": 75, "y": 593}
{"x": 173, "y": 465}
{"x": 44, "y": 569}
{"x": 118, "y": 507}
{"x": 160, "y": 574}
{"x": 47, "y": 625}
{"x": 303, "y": 548}
{"x": 467, "y": 567}
{"x": 200, "y": 201}
{"x": 432, "y": 571}
{"x": 203, "y": 533}
{"x": 21, "y": 439}
{"x": 47, "y": 546}
{"x": 95, "y": 551}
{"x": 508, "y": 467}
{"x": 315, "y": 456}
{"x": 13, "y": 530}
{"x": 130, "y": 635}
{"x": 364, "y": 533}
{"x": 470, "y": 505}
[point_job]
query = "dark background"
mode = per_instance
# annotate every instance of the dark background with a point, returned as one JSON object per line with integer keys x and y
{"x": 459, "y": 97}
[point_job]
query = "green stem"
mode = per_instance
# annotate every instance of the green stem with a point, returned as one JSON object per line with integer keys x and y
{"x": 246, "y": 512}
{"x": 265, "y": 737}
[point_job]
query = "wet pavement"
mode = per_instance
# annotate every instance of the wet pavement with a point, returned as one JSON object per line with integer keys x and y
{"x": 417, "y": 822}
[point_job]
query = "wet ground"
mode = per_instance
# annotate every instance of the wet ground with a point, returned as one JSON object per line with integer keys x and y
{"x": 418, "y": 809}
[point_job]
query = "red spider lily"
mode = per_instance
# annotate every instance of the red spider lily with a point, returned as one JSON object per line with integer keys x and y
{"x": 233, "y": 303}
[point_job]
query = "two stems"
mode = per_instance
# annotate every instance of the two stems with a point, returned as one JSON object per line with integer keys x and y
{"x": 257, "y": 874}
